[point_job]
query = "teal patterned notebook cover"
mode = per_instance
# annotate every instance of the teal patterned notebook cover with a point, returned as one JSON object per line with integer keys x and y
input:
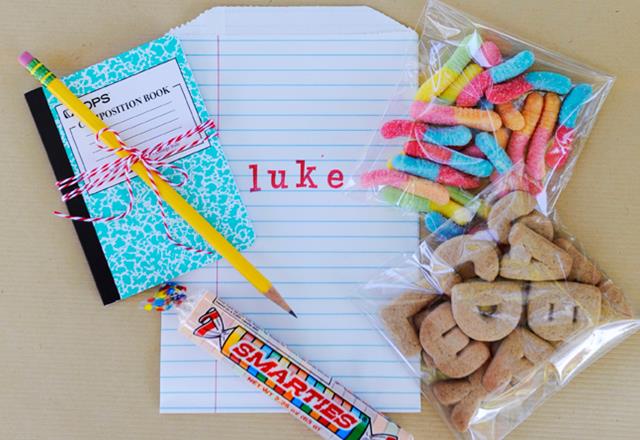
{"x": 148, "y": 94}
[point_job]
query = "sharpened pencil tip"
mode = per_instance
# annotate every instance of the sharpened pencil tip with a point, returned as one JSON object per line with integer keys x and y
{"x": 292, "y": 313}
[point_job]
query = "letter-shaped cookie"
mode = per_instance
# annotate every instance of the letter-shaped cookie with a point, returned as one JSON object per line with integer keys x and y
{"x": 614, "y": 304}
{"x": 532, "y": 257}
{"x": 538, "y": 223}
{"x": 557, "y": 310}
{"x": 459, "y": 250}
{"x": 487, "y": 311}
{"x": 398, "y": 320}
{"x": 517, "y": 354}
{"x": 506, "y": 210}
{"x": 451, "y": 350}
{"x": 464, "y": 394}
{"x": 582, "y": 269}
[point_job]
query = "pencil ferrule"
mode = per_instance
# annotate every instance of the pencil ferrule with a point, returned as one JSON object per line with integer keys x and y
{"x": 40, "y": 72}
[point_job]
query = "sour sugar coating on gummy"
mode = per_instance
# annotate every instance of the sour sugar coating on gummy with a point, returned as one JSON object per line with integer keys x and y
{"x": 487, "y": 311}
{"x": 454, "y": 253}
{"x": 471, "y": 71}
{"x": 573, "y": 103}
{"x": 531, "y": 111}
{"x": 489, "y": 55}
{"x": 438, "y": 224}
{"x": 542, "y": 81}
{"x": 452, "y": 210}
{"x": 510, "y": 68}
{"x": 488, "y": 144}
{"x": 451, "y": 69}
{"x": 452, "y": 351}
{"x": 447, "y": 156}
{"x": 511, "y": 117}
{"x": 485, "y": 120}
{"x": 457, "y": 135}
{"x": 442, "y": 173}
{"x": 414, "y": 185}
{"x": 535, "y": 166}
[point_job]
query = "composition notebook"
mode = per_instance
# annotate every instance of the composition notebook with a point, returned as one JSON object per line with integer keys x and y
{"x": 147, "y": 95}
{"x": 299, "y": 92}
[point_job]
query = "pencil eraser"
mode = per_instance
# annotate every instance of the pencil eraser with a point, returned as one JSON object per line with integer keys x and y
{"x": 25, "y": 58}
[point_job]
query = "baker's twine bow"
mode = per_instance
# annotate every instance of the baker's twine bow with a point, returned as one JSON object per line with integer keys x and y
{"x": 153, "y": 159}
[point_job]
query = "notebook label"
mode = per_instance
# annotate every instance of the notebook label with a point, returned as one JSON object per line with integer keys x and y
{"x": 145, "y": 109}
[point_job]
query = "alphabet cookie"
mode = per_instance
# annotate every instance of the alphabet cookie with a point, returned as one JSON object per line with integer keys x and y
{"x": 516, "y": 355}
{"x": 614, "y": 304}
{"x": 532, "y": 257}
{"x": 557, "y": 310}
{"x": 487, "y": 311}
{"x": 538, "y": 223}
{"x": 506, "y": 210}
{"x": 453, "y": 353}
{"x": 582, "y": 270}
{"x": 398, "y": 319}
{"x": 459, "y": 250}
{"x": 464, "y": 395}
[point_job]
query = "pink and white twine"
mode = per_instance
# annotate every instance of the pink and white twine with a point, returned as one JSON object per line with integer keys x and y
{"x": 153, "y": 159}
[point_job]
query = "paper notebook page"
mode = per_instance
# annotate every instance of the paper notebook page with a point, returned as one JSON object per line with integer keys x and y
{"x": 277, "y": 100}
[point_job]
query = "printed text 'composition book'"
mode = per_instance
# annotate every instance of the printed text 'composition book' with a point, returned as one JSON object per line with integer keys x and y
{"x": 148, "y": 95}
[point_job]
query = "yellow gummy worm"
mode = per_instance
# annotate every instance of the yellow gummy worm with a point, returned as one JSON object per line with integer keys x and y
{"x": 448, "y": 73}
{"x": 471, "y": 71}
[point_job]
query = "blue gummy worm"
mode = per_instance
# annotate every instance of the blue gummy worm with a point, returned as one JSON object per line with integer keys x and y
{"x": 417, "y": 167}
{"x": 512, "y": 67}
{"x": 573, "y": 103}
{"x": 549, "y": 82}
{"x": 487, "y": 143}
{"x": 437, "y": 223}
{"x": 461, "y": 162}
{"x": 458, "y": 135}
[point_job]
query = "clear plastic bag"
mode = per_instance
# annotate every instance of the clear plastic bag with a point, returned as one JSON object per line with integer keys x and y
{"x": 487, "y": 101}
{"x": 503, "y": 312}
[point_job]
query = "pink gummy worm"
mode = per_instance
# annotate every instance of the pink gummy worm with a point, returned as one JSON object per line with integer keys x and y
{"x": 517, "y": 146}
{"x": 384, "y": 177}
{"x": 403, "y": 127}
{"x": 535, "y": 156}
{"x": 559, "y": 153}
{"x": 429, "y": 151}
{"x": 472, "y": 92}
{"x": 474, "y": 151}
{"x": 434, "y": 114}
{"x": 491, "y": 53}
{"x": 453, "y": 177}
{"x": 508, "y": 91}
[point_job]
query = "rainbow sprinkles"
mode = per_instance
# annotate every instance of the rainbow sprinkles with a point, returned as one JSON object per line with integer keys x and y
{"x": 317, "y": 400}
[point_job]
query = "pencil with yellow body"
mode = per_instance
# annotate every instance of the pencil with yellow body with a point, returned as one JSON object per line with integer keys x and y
{"x": 166, "y": 192}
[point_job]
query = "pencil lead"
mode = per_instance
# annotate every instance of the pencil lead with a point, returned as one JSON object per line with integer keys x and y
{"x": 292, "y": 313}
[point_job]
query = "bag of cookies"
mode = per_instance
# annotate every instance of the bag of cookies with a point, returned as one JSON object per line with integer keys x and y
{"x": 478, "y": 102}
{"x": 496, "y": 316}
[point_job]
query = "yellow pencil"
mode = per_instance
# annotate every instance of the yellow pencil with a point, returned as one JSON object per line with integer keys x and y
{"x": 168, "y": 194}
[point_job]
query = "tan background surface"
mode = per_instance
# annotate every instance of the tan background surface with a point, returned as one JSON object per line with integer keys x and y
{"x": 70, "y": 369}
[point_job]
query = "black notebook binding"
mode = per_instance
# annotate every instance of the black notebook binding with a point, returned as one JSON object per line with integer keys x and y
{"x": 62, "y": 169}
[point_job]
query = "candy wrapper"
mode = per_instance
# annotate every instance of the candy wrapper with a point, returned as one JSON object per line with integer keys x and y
{"x": 504, "y": 311}
{"x": 317, "y": 400}
{"x": 486, "y": 101}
